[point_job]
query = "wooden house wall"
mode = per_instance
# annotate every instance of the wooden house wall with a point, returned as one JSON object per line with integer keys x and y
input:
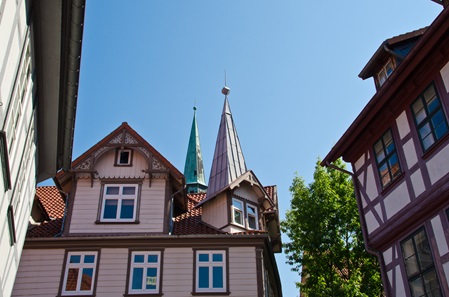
{"x": 216, "y": 211}
{"x": 86, "y": 207}
{"x": 41, "y": 271}
{"x": 106, "y": 169}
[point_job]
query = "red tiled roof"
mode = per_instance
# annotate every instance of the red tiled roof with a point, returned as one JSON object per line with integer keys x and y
{"x": 51, "y": 200}
{"x": 190, "y": 222}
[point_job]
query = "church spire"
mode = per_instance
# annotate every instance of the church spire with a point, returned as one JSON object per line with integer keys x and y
{"x": 228, "y": 163}
{"x": 194, "y": 170}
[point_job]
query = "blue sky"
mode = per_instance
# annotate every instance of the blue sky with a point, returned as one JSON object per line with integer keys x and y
{"x": 292, "y": 67}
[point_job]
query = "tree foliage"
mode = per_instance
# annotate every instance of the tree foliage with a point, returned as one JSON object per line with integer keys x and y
{"x": 326, "y": 245}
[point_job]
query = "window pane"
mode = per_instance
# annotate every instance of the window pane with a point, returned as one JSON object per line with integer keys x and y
{"x": 418, "y": 110}
{"x": 139, "y": 258}
{"x": 129, "y": 190}
{"x": 431, "y": 283}
{"x": 203, "y": 277}
{"x": 237, "y": 204}
{"x": 378, "y": 148}
{"x": 394, "y": 165}
{"x": 75, "y": 259}
{"x": 152, "y": 258}
{"x": 217, "y": 277}
{"x": 86, "y": 279}
{"x": 137, "y": 279}
{"x": 112, "y": 190}
{"x": 89, "y": 258}
{"x": 411, "y": 265}
{"x": 417, "y": 288}
{"x": 439, "y": 124}
{"x": 151, "y": 278}
{"x": 124, "y": 157}
{"x": 252, "y": 222}
{"x": 428, "y": 141}
{"x": 217, "y": 258}
{"x": 72, "y": 279}
{"x": 203, "y": 257}
{"x": 127, "y": 211}
{"x": 110, "y": 209}
{"x": 423, "y": 249}
{"x": 238, "y": 217}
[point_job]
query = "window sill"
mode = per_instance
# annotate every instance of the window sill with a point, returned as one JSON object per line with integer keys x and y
{"x": 211, "y": 293}
{"x": 143, "y": 295}
{"x": 393, "y": 183}
{"x": 79, "y": 295}
{"x": 98, "y": 222}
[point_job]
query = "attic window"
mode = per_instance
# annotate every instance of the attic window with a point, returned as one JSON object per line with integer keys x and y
{"x": 385, "y": 72}
{"x": 124, "y": 157}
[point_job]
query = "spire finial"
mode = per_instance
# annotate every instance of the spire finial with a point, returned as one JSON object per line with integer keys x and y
{"x": 225, "y": 91}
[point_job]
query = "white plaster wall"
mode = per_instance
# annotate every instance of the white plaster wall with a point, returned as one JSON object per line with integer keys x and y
{"x": 388, "y": 256}
{"x": 417, "y": 182}
{"x": 403, "y": 126}
{"x": 400, "y": 288}
{"x": 359, "y": 163}
{"x": 440, "y": 236}
{"x": 438, "y": 166}
{"x": 396, "y": 200}
{"x": 371, "y": 223}
{"x": 445, "y": 75}
{"x": 410, "y": 153}
{"x": 446, "y": 270}
{"x": 112, "y": 270}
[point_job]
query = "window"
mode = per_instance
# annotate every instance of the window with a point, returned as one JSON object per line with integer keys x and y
{"x": 237, "y": 212}
{"x": 4, "y": 162}
{"x": 211, "y": 271}
{"x": 421, "y": 274}
{"x": 251, "y": 217}
{"x": 429, "y": 117}
{"x": 11, "y": 226}
{"x": 386, "y": 71}
{"x": 144, "y": 272}
{"x": 79, "y": 273}
{"x": 387, "y": 159}
{"x": 119, "y": 203}
{"x": 123, "y": 157}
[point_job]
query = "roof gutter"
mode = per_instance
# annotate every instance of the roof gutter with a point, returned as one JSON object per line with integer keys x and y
{"x": 70, "y": 79}
{"x": 363, "y": 221}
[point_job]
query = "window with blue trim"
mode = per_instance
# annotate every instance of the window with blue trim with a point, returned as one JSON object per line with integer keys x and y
{"x": 145, "y": 272}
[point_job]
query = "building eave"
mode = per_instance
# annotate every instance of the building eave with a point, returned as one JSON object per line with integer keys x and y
{"x": 58, "y": 30}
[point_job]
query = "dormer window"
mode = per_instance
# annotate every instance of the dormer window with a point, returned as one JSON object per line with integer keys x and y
{"x": 123, "y": 157}
{"x": 244, "y": 214}
{"x": 385, "y": 72}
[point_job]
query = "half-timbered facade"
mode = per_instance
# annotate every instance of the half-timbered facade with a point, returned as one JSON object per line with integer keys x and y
{"x": 399, "y": 150}
{"x": 40, "y": 48}
{"x": 131, "y": 229}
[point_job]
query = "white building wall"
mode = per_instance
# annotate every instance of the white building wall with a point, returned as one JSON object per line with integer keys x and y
{"x": 17, "y": 120}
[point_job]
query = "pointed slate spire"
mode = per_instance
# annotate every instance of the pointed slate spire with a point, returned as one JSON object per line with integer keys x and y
{"x": 228, "y": 163}
{"x": 193, "y": 169}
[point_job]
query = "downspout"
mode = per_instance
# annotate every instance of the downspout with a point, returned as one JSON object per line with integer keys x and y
{"x": 65, "y": 207}
{"x": 170, "y": 229}
{"x": 364, "y": 228}
{"x": 393, "y": 53}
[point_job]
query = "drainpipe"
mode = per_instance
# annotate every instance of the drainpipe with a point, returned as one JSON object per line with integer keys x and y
{"x": 364, "y": 228}
{"x": 170, "y": 230}
{"x": 393, "y": 53}
{"x": 65, "y": 207}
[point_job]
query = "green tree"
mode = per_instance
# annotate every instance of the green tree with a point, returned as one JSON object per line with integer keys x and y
{"x": 326, "y": 245}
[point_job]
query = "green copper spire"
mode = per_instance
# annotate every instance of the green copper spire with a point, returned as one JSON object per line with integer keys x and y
{"x": 194, "y": 170}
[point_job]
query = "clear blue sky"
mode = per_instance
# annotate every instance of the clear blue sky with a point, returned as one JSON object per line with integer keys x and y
{"x": 292, "y": 67}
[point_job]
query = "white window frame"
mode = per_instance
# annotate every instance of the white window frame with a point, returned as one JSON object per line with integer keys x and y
{"x": 80, "y": 266}
{"x": 210, "y": 264}
{"x": 119, "y": 159}
{"x": 256, "y": 216}
{"x": 383, "y": 74}
{"x": 242, "y": 211}
{"x": 145, "y": 265}
{"x": 119, "y": 197}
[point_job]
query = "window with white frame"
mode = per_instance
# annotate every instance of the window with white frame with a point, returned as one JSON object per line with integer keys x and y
{"x": 385, "y": 72}
{"x": 252, "y": 217}
{"x": 144, "y": 272}
{"x": 124, "y": 157}
{"x": 79, "y": 273}
{"x": 119, "y": 203}
{"x": 237, "y": 212}
{"x": 211, "y": 271}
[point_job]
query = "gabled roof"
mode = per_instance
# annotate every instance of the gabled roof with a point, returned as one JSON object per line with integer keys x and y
{"x": 123, "y": 136}
{"x": 434, "y": 34}
{"x": 228, "y": 163}
{"x": 386, "y": 49}
{"x": 193, "y": 169}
